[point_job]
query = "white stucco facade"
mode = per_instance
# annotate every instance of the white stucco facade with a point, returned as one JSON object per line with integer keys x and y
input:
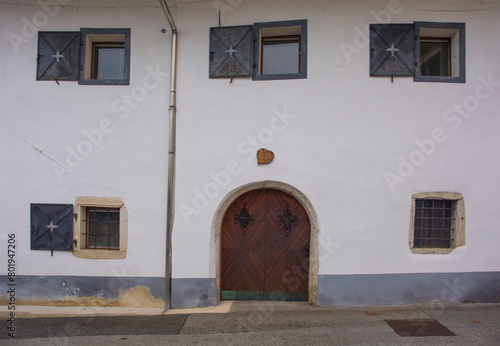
{"x": 54, "y": 117}
{"x": 356, "y": 146}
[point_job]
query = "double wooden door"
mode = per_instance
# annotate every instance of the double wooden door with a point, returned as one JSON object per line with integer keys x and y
{"x": 265, "y": 248}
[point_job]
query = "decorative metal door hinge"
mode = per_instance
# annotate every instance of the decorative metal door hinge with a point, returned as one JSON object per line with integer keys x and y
{"x": 287, "y": 220}
{"x": 244, "y": 219}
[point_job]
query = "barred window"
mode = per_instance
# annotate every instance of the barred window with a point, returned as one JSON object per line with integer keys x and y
{"x": 102, "y": 228}
{"x": 437, "y": 223}
{"x": 434, "y": 223}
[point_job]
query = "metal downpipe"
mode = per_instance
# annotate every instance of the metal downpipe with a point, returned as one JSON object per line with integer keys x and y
{"x": 171, "y": 156}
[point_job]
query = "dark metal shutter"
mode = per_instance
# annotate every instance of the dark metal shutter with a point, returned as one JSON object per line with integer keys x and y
{"x": 58, "y": 55}
{"x": 52, "y": 227}
{"x": 231, "y": 51}
{"x": 392, "y": 49}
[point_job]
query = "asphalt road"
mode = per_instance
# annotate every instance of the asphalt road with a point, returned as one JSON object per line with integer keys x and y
{"x": 472, "y": 324}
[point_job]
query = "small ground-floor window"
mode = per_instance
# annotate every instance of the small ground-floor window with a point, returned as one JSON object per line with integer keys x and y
{"x": 101, "y": 228}
{"x": 437, "y": 222}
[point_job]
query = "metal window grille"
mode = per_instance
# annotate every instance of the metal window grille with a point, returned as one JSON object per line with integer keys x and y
{"x": 102, "y": 228}
{"x": 434, "y": 223}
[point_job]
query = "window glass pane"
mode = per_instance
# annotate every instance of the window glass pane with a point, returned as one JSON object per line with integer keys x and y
{"x": 110, "y": 63}
{"x": 280, "y": 56}
{"x": 434, "y": 58}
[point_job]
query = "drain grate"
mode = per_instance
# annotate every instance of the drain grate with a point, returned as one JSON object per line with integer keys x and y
{"x": 422, "y": 327}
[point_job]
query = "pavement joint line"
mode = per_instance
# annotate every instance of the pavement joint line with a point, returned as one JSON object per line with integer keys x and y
{"x": 183, "y": 324}
{"x": 422, "y": 311}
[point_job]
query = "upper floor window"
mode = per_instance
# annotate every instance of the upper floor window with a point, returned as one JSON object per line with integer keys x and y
{"x": 105, "y": 56}
{"x": 430, "y": 52}
{"x": 280, "y": 50}
{"x": 89, "y": 56}
{"x": 264, "y": 51}
{"x": 440, "y": 52}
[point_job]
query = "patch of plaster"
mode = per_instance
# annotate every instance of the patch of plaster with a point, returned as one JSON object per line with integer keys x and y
{"x": 136, "y": 297}
{"x": 139, "y": 297}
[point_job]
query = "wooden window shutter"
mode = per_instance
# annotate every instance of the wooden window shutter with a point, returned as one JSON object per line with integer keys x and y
{"x": 52, "y": 227}
{"x": 231, "y": 51}
{"x": 392, "y": 48}
{"x": 58, "y": 55}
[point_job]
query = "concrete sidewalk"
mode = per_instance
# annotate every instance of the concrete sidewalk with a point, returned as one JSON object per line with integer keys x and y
{"x": 255, "y": 323}
{"x": 26, "y": 311}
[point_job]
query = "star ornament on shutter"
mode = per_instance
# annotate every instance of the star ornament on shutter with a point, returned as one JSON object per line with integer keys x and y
{"x": 392, "y": 50}
{"x": 58, "y": 55}
{"x": 231, "y": 51}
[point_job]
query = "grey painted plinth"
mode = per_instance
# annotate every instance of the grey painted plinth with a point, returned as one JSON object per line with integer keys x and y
{"x": 58, "y": 287}
{"x": 401, "y": 289}
{"x": 193, "y": 293}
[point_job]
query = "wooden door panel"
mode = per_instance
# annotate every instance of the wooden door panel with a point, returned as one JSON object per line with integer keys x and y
{"x": 265, "y": 260}
{"x": 243, "y": 250}
{"x": 284, "y": 262}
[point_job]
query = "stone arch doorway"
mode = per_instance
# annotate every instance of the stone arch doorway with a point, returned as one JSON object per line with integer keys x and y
{"x": 266, "y": 244}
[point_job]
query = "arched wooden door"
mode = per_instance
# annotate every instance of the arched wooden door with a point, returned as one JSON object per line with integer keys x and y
{"x": 265, "y": 248}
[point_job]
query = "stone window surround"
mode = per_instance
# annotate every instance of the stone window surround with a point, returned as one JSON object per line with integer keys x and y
{"x": 80, "y": 210}
{"x": 459, "y": 233}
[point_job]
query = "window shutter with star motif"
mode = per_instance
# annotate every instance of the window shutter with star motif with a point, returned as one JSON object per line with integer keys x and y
{"x": 52, "y": 227}
{"x": 58, "y": 55}
{"x": 392, "y": 49}
{"x": 231, "y": 51}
